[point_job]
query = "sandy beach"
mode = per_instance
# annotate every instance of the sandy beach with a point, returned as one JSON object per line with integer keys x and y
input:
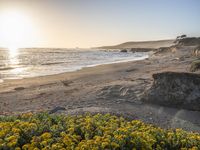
{"x": 99, "y": 75}
{"x": 113, "y": 88}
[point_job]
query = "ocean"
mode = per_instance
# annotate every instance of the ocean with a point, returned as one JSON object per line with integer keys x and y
{"x": 26, "y": 63}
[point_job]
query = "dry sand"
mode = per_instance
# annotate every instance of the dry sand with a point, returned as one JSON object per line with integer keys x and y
{"x": 114, "y": 88}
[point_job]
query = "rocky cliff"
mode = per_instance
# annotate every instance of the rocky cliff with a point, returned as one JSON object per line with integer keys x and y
{"x": 173, "y": 89}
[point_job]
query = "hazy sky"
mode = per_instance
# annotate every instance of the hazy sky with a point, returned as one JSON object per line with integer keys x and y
{"x": 88, "y": 23}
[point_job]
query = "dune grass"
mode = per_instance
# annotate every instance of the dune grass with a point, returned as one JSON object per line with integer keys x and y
{"x": 195, "y": 65}
{"x": 88, "y": 132}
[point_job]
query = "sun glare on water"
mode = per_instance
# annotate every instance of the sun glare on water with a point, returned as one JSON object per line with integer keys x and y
{"x": 13, "y": 50}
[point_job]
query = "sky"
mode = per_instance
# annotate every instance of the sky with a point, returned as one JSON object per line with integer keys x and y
{"x": 91, "y": 23}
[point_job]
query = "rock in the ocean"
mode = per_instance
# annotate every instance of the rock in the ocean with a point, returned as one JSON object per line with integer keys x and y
{"x": 124, "y": 50}
{"x": 173, "y": 89}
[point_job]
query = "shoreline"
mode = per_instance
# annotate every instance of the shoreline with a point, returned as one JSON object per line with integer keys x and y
{"x": 112, "y": 88}
{"x": 90, "y": 69}
{"x": 81, "y": 68}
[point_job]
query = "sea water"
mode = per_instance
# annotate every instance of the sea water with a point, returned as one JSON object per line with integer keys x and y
{"x": 33, "y": 62}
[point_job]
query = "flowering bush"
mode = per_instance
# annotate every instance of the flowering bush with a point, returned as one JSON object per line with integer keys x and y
{"x": 89, "y": 132}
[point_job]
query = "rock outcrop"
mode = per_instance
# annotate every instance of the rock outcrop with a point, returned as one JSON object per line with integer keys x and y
{"x": 170, "y": 49}
{"x": 173, "y": 89}
{"x": 124, "y": 50}
{"x": 142, "y": 49}
{"x": 196, "y": 51}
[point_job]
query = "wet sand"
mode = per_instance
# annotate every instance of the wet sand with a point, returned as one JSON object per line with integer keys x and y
{"x": 113, "y": 88}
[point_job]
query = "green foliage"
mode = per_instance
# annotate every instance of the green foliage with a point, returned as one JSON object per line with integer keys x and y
{"x": 54, "y": 132}
{"x": 188, "y": 41}
{"x": 195, "y": 66}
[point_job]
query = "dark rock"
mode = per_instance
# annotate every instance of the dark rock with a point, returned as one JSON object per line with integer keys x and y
{"x": 173, "y": 89}
{"x": 58, "y": 108}
{"x": 131, "y": 70}
{"x": 19, "y": 88}
{"x": 66, "y": 82}
{"x": 124, "y": 50}
{"x": 182, "y": 58}
{"x": 141, "y": 49}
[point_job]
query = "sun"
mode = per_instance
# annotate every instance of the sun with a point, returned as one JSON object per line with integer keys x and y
{"x": 15, "y": 28}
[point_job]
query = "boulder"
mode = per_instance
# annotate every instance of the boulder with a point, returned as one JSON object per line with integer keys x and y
{"x": 174, "y": 89}
{"x": 196, "y": 51}
{"x": 124, "y": 50}
{"x": 56, "y": 109}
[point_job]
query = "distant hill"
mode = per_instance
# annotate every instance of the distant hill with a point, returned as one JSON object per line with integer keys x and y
{"x": 142, "y": 44}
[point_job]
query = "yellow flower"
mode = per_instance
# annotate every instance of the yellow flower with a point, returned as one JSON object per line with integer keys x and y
{"x": 90, "y": 132}
{"x": 44, "y": 143}
{"x": 11, "y": 138}
{"x": 71, "y": 130}
{"x": 114, "y": 145}
{"x": 104, "y": 144}
{"x": 194, "y": 148}
{"x": 33, "y": 125}
{"x": 27, "y": 115}
{"x": 15, "y": 130}
{"x": 26, "y": 146}
{"x": 11, "y": 144}
{"x": 46, "y": 135}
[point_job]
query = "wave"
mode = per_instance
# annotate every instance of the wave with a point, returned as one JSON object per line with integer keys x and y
{"x": 52, "y": 63}
{"x": 6, "y": 68}
{"x": 36, "y": 63}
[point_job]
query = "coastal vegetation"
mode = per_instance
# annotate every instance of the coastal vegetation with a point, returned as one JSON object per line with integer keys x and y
{"x": 188, "y": 41}
{"x": 195, "y": 65}
{"x": 43, "y": 131}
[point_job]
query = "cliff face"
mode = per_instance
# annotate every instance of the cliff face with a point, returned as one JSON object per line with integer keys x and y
{"x": 196, "y": 52}
{"x": 181, "y": 90}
